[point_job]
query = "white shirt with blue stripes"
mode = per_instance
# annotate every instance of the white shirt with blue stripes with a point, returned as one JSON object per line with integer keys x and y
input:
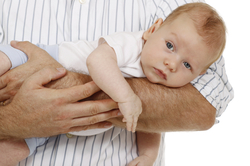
{"x": 53, "y": 21}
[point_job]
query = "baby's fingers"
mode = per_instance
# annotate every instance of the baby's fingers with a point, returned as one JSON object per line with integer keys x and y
{"x": 129, "y": 126}
{"x": 134, "y": 124}
{"x": 131, "y": 123}
{"x": 135, "y": 162}
{"x": 124, "y": 120}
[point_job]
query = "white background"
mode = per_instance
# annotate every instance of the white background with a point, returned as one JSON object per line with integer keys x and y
{"x": 227, "y": 143}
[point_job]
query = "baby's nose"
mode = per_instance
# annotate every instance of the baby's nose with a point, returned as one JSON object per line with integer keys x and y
{"x": 171, "y": 65}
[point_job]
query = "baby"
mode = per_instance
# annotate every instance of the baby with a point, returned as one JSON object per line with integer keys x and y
{"x": 171, "y": 52}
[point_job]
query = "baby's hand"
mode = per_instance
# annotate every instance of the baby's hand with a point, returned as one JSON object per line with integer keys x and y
{"x": 142, "y": 161}
{"x": 131, "y": 109}
{"x": 5, "y": 63}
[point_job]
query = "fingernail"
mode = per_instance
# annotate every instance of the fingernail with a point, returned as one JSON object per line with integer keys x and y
{"x": 107, "y": 125}
{"x": 13, "y": 42}
{"x": 119, "y": 113}
{"x": 61, "y": 69}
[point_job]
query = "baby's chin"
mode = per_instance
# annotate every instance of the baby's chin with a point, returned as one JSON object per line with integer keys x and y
{"x": 167, "y": 83}
{"x": 152, "y": 79}
{"x": 175, "y": 85}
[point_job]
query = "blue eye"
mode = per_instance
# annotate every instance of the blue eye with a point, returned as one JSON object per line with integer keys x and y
{"x": 170, "y": 46}
{"x": 187, "y": 65}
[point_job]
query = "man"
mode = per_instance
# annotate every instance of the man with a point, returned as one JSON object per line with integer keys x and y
{"x": 50, "y": 22}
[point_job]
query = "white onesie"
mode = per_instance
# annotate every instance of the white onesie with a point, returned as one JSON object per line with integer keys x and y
{"x": 127, "y": 46}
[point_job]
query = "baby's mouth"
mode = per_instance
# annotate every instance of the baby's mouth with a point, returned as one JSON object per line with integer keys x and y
{"x": 161, "y": 74}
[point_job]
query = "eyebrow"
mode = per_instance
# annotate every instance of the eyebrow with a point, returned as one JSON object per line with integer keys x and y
{"x": 172, "y": 33}
{"x": 189, "y": 59}
{"x": 178, "y": 38}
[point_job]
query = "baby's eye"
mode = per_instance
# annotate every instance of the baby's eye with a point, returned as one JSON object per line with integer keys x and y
{"x": 187, "y": 65}
{"x": 170, "y": 46}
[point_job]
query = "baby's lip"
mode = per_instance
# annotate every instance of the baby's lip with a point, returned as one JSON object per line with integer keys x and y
{"x": 161, "y": 74}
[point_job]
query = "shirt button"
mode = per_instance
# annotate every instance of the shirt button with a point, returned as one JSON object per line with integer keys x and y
{"x": 1, "y": 34}
{"x": 82, "y": 1}
{"x": 69, "y": 135}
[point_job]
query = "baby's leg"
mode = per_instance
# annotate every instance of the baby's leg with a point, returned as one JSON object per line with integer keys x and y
{"x": 10, "y": 58}
{"x": 13, "y": 151}
{"x": 148, "y": 147}
{"x": 4, "y": 63}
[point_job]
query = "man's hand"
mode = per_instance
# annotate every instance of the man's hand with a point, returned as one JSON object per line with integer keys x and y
{"x": 37, "y": 111}
{"x": 11, "y": 81}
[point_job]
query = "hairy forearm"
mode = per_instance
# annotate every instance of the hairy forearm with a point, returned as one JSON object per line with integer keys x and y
{"x": 164, "y": 109}
{"x": 171, "y": 109}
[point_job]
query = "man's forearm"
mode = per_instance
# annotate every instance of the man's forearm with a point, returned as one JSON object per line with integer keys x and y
{"x": 172, "y": 109}
{"x": 164, "y": 109}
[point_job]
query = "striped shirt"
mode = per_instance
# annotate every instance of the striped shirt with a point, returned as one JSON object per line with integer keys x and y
{"x": 53, "y": 21}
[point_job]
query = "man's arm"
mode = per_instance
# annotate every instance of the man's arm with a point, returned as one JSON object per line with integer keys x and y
{"x": 164, "y": 109}
{"x": 172, "y": 109}
{"x": 167, "y": 109}
{"x": 39, "y": 111}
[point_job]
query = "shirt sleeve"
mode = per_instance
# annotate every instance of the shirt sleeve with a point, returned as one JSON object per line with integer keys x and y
{"x": 33, "y": 143}
{"x": 125, "y": 45}
{"x": 215, "y": 86}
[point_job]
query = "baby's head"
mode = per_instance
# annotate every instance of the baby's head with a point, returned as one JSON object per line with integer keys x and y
{"x": 182, "y": 47}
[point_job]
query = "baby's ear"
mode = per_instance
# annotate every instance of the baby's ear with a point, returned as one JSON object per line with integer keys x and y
{"x": 204, "y": 72}
{"x": 152, "y": 29}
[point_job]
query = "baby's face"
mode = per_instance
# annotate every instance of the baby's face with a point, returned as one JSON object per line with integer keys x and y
{"x": 174, "y": 54}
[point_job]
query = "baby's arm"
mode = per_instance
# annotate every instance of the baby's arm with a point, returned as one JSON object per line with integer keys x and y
{"x": 103, "y": 68}
{"x": 148, "y": 147}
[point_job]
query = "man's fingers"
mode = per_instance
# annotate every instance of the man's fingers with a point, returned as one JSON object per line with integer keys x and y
{"x": 24, "y": 46}
{"x": 80, "y": 92}
{"x": 89, "y": 108}
{"x": 3, "y": 95}
{"x": 85, "y": 121}
{"x": 3, "y": 83}
{"x": 94, "y": 126}
{"x": 44, "y": 76}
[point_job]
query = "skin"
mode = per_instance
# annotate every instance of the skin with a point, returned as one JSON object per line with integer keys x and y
{"x": 52, "y": 111}
{"x": 103, "y": 68}
{"x": 33, "y": 90}
{"x": 174, "y": 53}
{"x": 4, "y": 63}
{"x": 173, "y": 110}
{"x": 10, "y": 148}
{"x": 146, "y": 157}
